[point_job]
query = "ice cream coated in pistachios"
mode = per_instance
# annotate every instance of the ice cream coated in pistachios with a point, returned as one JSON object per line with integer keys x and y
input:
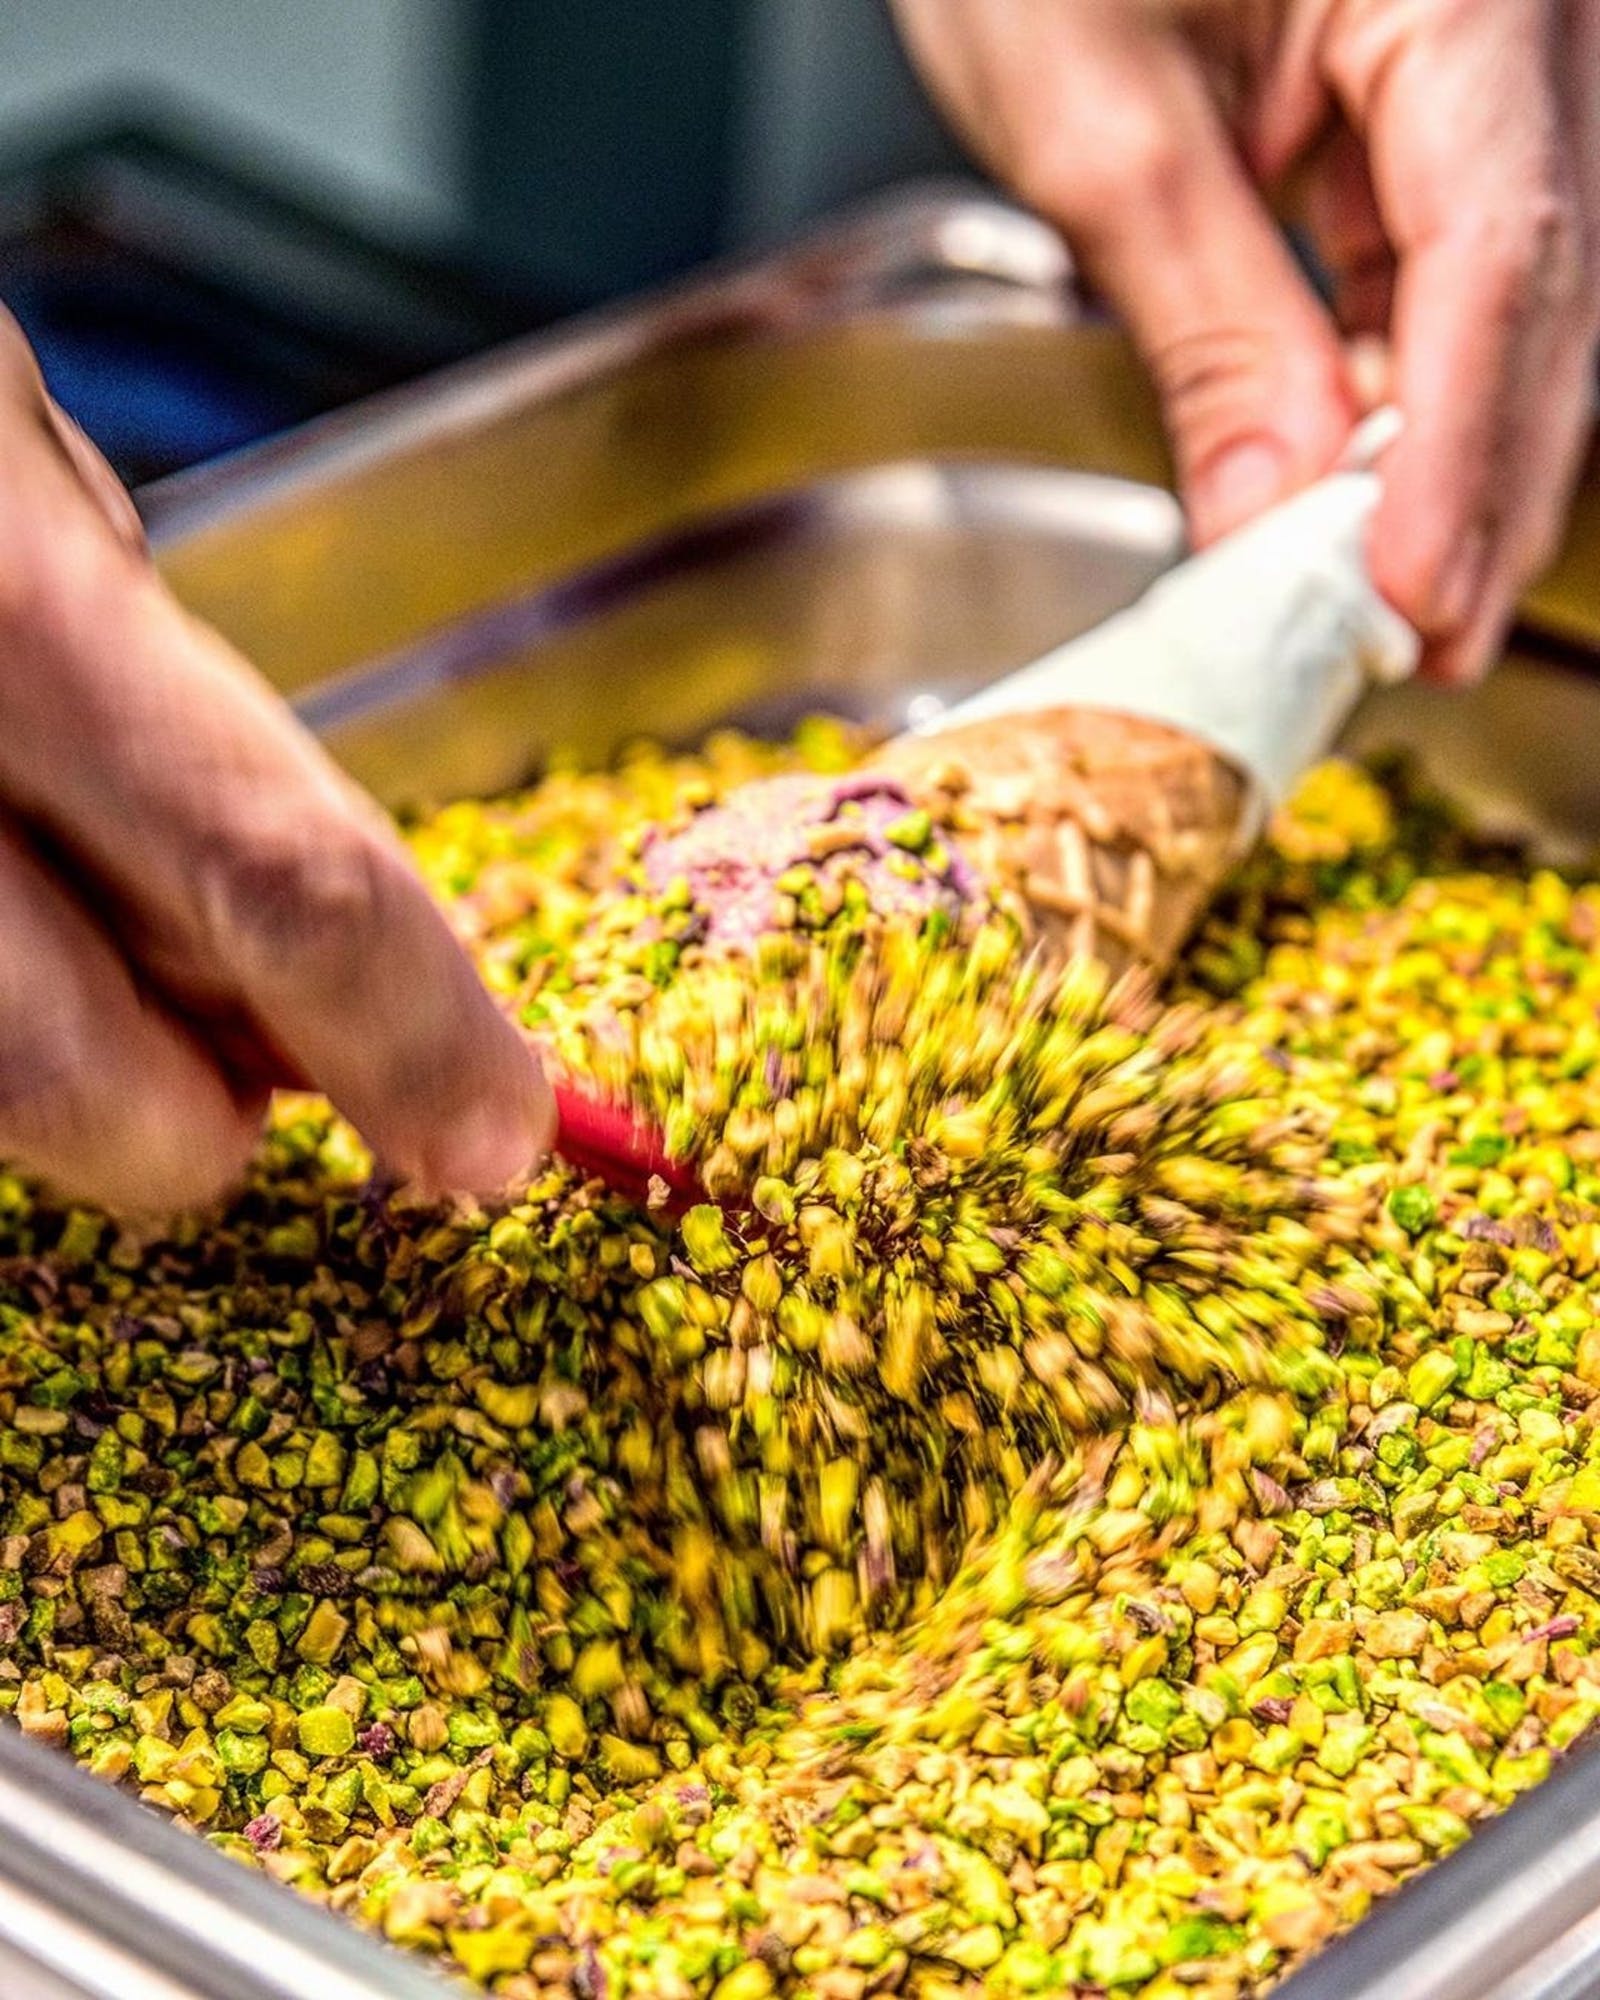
{"x": 817, "y": 841}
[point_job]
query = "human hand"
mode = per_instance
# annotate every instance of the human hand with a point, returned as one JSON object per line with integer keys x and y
{"x": 194, "y": 903}
{"x": 1445, "y": 155}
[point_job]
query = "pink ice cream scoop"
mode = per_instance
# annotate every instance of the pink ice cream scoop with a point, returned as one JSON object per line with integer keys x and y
{"x": 865, "y": 829}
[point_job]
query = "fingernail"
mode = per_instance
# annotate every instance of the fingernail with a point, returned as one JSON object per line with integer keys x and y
{"x": 1459, "y": 585}
{"x": 1236, "y": 487}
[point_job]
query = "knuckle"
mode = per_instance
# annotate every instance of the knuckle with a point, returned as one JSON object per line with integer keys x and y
{"x": 1535, "y": 255}
{"x": 1098, "y": 182}
{"x": 294, "y": 900}
{"x": 1147, "y": 161}
{"x": 61, "y": 573}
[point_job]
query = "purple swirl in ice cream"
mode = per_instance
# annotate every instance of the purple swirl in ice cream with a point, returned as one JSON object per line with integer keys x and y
{"x": 863, "y": 829}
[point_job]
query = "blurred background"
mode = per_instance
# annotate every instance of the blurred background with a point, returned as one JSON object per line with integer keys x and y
{"x": 219, "y": 217}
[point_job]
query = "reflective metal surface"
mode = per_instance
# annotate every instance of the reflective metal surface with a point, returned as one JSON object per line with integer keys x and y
{"x": 929, "y": 329}
{"x": 881, "y": 469}
{"x": 101, "y": 1899}
{"x": 862, "y": 594}
{"x": 1512, "y": 1915}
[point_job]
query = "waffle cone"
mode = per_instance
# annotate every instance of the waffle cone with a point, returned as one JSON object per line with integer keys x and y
{"x": 1111, "y": 831}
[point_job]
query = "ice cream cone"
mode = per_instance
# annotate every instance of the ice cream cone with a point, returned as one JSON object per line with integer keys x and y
{"x": 1108, "y": 832}
{"x": 1104, "y": 790}
{"x": 1110, "y": 784}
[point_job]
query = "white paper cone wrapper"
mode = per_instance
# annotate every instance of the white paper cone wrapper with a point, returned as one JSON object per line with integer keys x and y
{"x": 1260, "y": 647}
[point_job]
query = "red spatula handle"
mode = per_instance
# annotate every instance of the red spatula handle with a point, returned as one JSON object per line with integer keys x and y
{"x": 618, "y": 1147}
{"x": 606, "y": 1140}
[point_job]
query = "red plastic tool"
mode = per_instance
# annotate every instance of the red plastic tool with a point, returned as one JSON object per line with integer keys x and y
{"x": 619, "y": 1147}
{"x": 606, "y": 1140}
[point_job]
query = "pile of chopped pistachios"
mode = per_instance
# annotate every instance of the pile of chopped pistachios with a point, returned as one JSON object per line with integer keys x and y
{"x": 1101, "y": 1492}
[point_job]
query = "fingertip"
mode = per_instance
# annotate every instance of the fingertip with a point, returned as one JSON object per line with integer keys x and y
{"x": 1429, "y": 547}
{"x": 1452, "y": 596}
{"x": 1462, "y": 658}
{"x": 1445, "y": 667}
{"x": 1461, "y": 663}
{"x": 1234, "y": 486}
{"x": 494, "y": 1142}
{"x": 1266, "y": 453}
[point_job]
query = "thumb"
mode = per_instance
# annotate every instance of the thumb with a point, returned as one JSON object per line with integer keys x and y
{"x": 1168, "y": 226}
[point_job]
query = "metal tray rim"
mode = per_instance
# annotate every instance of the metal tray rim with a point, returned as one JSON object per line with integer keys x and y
{"x": 948, "y": 222}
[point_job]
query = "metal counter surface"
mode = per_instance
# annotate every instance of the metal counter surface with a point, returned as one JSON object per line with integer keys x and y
{"x": 102, "y": 1899}
{"x": 870, "y": 473}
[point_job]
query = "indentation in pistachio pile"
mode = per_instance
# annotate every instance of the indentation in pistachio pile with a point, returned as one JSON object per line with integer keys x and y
{"x": 1119, "y": 1494}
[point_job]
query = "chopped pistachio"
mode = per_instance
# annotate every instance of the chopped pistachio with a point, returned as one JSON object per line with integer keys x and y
{"x": 1104, "y": 1490}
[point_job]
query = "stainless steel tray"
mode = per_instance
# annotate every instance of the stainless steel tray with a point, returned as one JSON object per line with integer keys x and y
{"x": 881, "y": 468}
{"x": 900, "y": 458}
